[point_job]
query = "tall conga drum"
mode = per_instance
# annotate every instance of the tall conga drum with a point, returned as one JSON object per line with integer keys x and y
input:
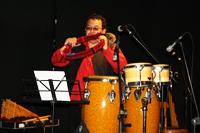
{"x": 139, "y": 78}
{"x": 101, "y": 114}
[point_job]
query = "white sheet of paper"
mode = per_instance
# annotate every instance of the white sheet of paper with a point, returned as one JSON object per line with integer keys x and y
{"x": 59, "y": 84}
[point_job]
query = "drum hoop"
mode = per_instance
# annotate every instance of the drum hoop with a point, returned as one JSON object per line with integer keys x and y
{"x": 102, "y": 79}
{"x": 161, "y": 83}
{"x": 164, "y": 67}
{"x": 131, "y": 66}
{"x": 138, "y": 83}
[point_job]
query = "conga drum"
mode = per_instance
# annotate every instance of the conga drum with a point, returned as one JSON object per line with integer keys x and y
{"x": 161, "y": 74}
{"x": 101, "y": 114}
{"x": 139, "y": 78}
{"x": 161, "y": 79}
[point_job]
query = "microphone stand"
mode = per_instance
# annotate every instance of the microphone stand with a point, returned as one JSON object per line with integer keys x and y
{"x": 195, "y": 121}
{"x": 122, "y": 113}
{"x": 55, "y": 21}
{"x": 134, "y": 37}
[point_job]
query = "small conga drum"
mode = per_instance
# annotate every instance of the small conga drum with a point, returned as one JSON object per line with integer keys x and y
{"x": 161, "y": 74}
{"x": 138, "y": 74}
{"x": 101, "y": 114}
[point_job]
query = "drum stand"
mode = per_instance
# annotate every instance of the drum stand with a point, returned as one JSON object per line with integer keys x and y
{"x": 144, "y": 109}
{"x": 162, "y": 109}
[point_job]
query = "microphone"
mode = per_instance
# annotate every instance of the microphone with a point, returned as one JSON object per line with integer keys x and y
{"x": 171, "y": 47}
{"x": 113, "y": 41}
{"x": 125, "y": 27}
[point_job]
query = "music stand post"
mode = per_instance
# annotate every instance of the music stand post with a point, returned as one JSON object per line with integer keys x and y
{"x": 52, "y": 86}
{"x": 52, "y": 102}
{"x": 52, "y": 90}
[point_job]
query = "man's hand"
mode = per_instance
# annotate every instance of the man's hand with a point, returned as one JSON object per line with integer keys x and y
{"x": 71, "y": 42}
{"x": 102, "y": 37}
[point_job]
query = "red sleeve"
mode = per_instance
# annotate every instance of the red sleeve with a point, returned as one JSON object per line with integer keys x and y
{"x": 59, "y": 60}
{"x": 108, "y": 53}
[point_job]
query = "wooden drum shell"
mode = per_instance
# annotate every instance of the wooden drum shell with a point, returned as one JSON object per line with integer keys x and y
{"x": 135, "y": 113}
{"x": 100, "y": 115}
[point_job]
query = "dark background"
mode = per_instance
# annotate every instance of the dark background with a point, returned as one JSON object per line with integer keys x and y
{"x": 29, "y": 35}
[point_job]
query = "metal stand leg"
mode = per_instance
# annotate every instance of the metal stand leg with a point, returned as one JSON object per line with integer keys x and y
{"x": 162, "y": 110}
{"x": 144, "y": 109}
{"x": 53, "y": 115}
{"x": 195, "y": 121}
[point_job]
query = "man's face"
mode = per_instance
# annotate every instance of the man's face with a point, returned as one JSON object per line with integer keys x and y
{"x": 94, "y": 26}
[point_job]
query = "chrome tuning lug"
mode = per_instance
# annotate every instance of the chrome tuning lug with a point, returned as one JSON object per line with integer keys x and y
{"x": 158, "y": 94}
{"x": 148, "y": 95}
{"x": 112, "y": 96}
{"x": 137, "y": 94}
{"x": 127, "y": 92}
{"x": 86, "y": 94}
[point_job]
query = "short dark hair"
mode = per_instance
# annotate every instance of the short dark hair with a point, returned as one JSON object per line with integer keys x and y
{"x": 97, "y": 16}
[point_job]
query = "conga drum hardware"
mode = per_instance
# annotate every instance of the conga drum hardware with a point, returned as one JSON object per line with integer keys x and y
{"x": 158, "y": 94}
{"x": 86, "y": 94}
{"x": 126, "y": 93}
{"x": 112, "y": 96}
{"x": 112, "y": 93}
{"x": 137, "y": 94}
{"x": 148, "y": 95}
{"x": 86, "y": 91}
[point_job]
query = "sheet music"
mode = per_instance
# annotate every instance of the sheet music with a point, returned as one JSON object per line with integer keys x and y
{"x": 59, "y": 84}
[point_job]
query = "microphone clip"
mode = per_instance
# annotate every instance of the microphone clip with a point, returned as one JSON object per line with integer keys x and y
{"x": 125, "y": 28}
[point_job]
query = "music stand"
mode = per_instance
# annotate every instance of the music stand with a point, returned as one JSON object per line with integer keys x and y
{"x": 52, "y": 86}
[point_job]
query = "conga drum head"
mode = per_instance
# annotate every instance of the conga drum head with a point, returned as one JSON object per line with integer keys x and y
{"x": 100, "y": 78}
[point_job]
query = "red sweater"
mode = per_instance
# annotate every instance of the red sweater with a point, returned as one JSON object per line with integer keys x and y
{"x": 86, "y": 66}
